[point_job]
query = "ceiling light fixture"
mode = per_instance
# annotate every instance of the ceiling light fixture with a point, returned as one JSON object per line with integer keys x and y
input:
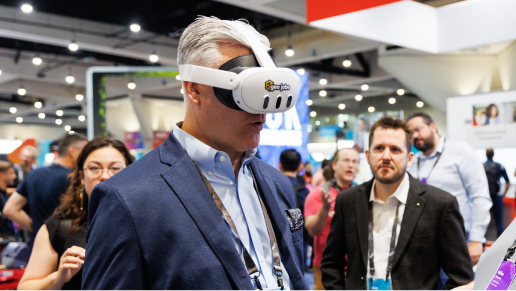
{"x": 358, "y": 97}
{"x": 392, "y": 100}
{"x": 313, "y": 114}
{"x": 420, "y": 104}
{"x": 67, "y": 128}
{"x": 19, "y": 119}
{"x": 37, "y": 61}
{"x": 13, "y": 110}
{"x": 153, "y": 57}
{"x": 323, "y": 81}
{"x": 317, "y": 122}
{"x": 178, "y": 77}
{"x": 182, "y": 91}
{"x": 309, "y": 102}
{"x": 364, "y": 87}
{"x": 289, "y": 52}
{"x": 323, "y": 93}
{"x": 301, "y": 71}
{"x": 73, "y": 46}
{"x": 41, "y": 115}
{"x": 79, "y": 97}
{"x": 81, "y": 118}
{"x": 70, "y": 79}
{"x": 38, "y": 104}
{"x": 59, "y": 121}
{"x": 370, "y": 109}
{"x": 22, "y": 91}
{"x": 135, "y": 27}
{"x": 59, "y": 112}
{"x": 71, "y": 132}
{"x": 342, "y": 106}
{"x": 346, "y": 63}
{"x": 400, "y": 92}
{"x": 131, "y": 85}
{"x": 27, "y": 8}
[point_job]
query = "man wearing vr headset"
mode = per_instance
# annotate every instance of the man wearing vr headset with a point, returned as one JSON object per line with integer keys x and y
{"x": 201, "y": 211}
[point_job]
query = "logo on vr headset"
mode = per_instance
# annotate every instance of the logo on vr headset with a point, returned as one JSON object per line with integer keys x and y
{"x": 271, "y": 87}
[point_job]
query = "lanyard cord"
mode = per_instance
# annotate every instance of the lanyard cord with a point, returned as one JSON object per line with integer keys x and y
{"x": 252, "y": 270}
{"x": 371, "y": 242}
{"x": 438, "y": 157}
{"x": 510, "y": 251}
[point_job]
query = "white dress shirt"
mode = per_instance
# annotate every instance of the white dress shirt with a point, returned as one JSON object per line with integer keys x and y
{"x": 240, "y": 200}
{"x": 383, "y": 219}
{"x": 460, "y": 173}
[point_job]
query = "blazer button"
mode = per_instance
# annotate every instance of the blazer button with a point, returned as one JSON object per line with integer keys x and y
{"x": 361, "y": 278}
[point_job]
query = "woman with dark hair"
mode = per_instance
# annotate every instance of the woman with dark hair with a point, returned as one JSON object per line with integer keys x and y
{"x": 59, "y": 248}
{"x": 492, "y": 115}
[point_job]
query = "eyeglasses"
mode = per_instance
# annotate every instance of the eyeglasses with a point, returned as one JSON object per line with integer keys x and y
{"x": 97, "y": 171}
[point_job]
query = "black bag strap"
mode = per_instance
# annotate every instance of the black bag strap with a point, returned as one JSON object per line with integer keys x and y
{"x": 62, "y": 234}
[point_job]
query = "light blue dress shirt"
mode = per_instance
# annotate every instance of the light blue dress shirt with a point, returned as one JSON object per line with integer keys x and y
{"x": 460, "y": 173}
{"x": 241, "y": 201}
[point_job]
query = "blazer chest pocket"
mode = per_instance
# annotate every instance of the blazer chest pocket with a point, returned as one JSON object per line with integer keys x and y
{"x": 295, "y": 222}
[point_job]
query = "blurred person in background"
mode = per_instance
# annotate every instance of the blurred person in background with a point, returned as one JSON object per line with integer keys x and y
{"x": 290, "y": 164}
{"x": 317, "y": 177}
{"x": 319, "y": 205}
{"x": 43, "y": 187}
{"x": 307, "y": 175}
{"x": 7, "y": 177}
{"x": 494, "y": 172}
{"x": 453, "y": 166}
{"x": 59, "y": 250}
{"x": 360, "y": 133}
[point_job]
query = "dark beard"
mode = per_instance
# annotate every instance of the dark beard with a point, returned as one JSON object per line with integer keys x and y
{"x": 428, "y": 144}
{"x": 389, "y": 180}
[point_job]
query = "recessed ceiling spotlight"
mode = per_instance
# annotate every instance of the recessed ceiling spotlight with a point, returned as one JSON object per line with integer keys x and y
{"x": 71, "y": 132}
{"x": 79, "y": 97}
{"x": 364, "y": 87}
{"x": 38, "y": 104}
{"x": 41, "y": 115}
{"x": 81, "y": 118}
{"x": 317, "y": 122}
{"x": 309, "y": 102}
{"x": 37, "y": 61}
{"x": 323, "y": 93}
{"x": 323, "y": 81}
{"x": 392, "y": 100}
{"x": 13, "y": 109}
{"x": 178, "y": 77}
{"x": 73, "y": 46}
{"x": 22, "y": 91}
{"x": 342, "y": 106}
{"x": 358, "y": 97}
{"x": 420, "y": 104}
{"x": 70, "y": 79}
{"x": 313, "y": 114}
{"x": 59, "y": 112}
{"x": 301, "y": 71}
{"x": 131, "y": 85}
{"x": 346, "y": 63}
{"x": 67, "y": 128}
{"x": 289, "y": 52}
{"x": 400, "y": 92}
{"x": 370, "y": 109}
{"x": 135, "y": 27}
{"x": 19, "y": 119}
{"x": 27, "y": 8}
{"x": 59, "y": 121}
{"x": 153, "y": 57}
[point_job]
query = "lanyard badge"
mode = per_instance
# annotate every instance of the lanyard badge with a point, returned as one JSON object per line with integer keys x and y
{"x": 505, "y": 273}
{"x": 379, "y": 284}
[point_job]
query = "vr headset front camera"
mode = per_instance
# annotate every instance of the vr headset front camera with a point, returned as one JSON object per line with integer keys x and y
{"x": 251, "y": 83}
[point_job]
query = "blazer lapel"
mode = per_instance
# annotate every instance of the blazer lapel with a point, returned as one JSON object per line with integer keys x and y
{"x": 413, "y": 209}
{"x": 362, "y": 217}
{"x": 185, "y": 181}
{"x": 280, "y": 226}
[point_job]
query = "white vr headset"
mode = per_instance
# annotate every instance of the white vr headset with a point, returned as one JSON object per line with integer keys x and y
{"x": 251, "y": 83}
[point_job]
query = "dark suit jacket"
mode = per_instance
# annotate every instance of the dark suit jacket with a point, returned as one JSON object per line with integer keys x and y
{"x": 432, "y": 236}
{"x": 154, "y": 225}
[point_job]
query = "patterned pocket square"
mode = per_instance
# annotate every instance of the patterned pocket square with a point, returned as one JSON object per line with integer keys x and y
{"x": 295, "y": 219}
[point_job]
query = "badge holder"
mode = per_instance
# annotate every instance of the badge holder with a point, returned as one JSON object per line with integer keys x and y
{"x": 379, "y": 284}
{"x": 506, "y": 272}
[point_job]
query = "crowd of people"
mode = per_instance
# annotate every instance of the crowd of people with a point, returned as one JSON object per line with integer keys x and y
{"x": 203, "y": 212}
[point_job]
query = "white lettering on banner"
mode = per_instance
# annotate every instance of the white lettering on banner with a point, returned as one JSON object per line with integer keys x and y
{"x": 274, "y": 122}
{"x": 292, "y": 120}
{"x": 281, "y": 137}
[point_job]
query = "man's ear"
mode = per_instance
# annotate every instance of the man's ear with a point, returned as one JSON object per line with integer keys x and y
{"x": 280, "y": 167}
{"x": 192, "y": 92}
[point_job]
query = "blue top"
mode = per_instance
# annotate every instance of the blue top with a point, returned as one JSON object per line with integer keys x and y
{"x": 495, "y": 172}
{"x": 241, "y": 201}
{"x": 460, "y": 173}
{"x": 43, "y": 188}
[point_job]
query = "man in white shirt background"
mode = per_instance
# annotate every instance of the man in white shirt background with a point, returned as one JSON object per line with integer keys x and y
{"x": 396, "y": 232}
{"x": 453, "y": 166}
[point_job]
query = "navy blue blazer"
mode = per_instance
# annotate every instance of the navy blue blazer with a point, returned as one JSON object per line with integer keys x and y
{"x": 154, "y": 225}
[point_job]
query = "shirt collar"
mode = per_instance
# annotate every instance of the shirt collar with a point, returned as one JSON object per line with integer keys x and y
{"x": 401, "y": 192}
{"x": 202, "y": 154}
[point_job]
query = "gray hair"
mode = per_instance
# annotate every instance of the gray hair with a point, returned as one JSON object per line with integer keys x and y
{"x": 34, "y": 151}
{"x": 199, "y": 43}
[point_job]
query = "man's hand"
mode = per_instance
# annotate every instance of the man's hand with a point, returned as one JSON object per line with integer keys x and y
{"x": 465, "y": 287}
{"x": 475, "y": 250}
{"x": 326, "y": 199}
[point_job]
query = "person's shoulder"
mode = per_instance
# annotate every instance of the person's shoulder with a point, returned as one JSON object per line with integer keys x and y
{"x": 350, "y": 193}
{"x": 458, "y": 146}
